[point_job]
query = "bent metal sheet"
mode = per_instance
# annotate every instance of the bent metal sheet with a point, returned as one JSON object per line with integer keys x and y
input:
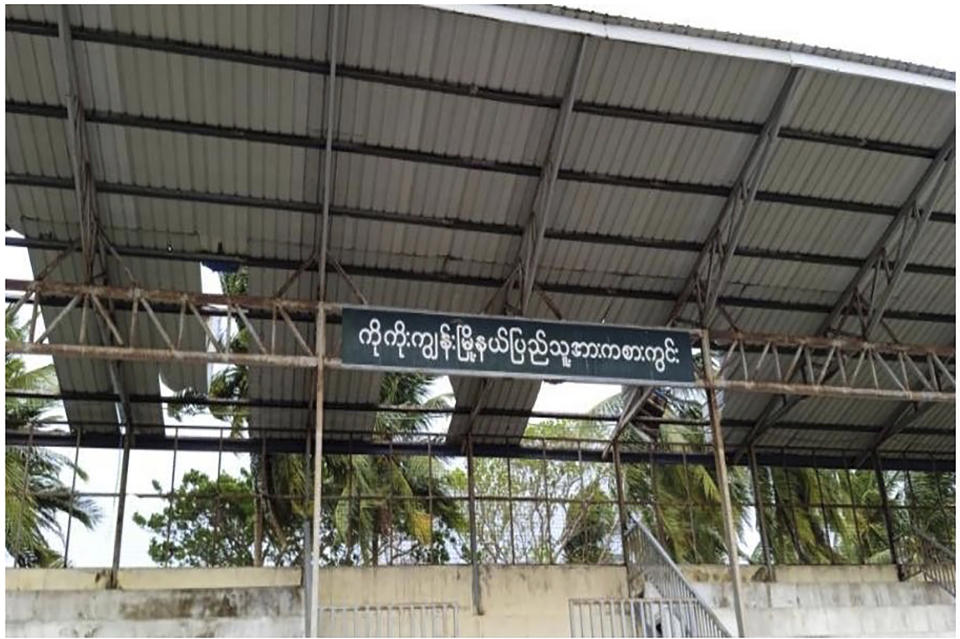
{"x": 474, "y": 344}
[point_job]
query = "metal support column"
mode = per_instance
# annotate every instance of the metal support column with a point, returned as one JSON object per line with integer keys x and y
{"x": 317, "y": 480}
{"x": 723, "y": 482}
{"x": 305, "y": 574}
{"x": 761, "y": 520}
{"x": 471, "y": 507}
{"x": 314, "y": 593}
{"x": 887, "y": 518}
{"x": 621, "y": 500}
{"x": 118, "y": 531}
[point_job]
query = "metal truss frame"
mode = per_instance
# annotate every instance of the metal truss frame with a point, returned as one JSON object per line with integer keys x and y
{"x": 756, "y": 363}
{"x": 708, "y": 276}
{"x": 868, "y": 295}
{"x": 524, "y": 272}
{"x": 750, "y": 363}
{"x": 709, "y": 273}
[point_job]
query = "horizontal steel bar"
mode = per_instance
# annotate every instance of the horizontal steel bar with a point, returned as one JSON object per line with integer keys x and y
{"x": 816, "y": 341}
{"x": 146, "y": 441}
{"x": 814, "y": 390}
{"x": 118, "y": 38}
{"x": 655, "y": 295}
{"x": 503, "y": 230}
{"x": 47, "y": 287}
{"x": 352, "y": 407}
{"x": 123, "y": 353}
{"x": 333, "y": 318}
{"x": 510, "y": 168}
{"x": 172, "y": 297}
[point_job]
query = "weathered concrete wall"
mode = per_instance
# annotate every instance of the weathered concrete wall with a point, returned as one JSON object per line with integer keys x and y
{"x": 218, "y": 612}
{"x": 517, "y": 600}
{"x": 838, "y": 601}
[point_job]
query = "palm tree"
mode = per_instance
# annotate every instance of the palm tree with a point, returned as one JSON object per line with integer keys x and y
{"x": 681, "y": 503}
{"x": 35, "y": 495}
{"x": 396, "y": 504}
{"x": 391, "y": 507}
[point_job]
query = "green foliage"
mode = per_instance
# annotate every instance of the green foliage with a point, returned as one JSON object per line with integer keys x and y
{"x": 680, "y": 503}
{"x": 364, "y": 524}
{"x": 35, "y": 496}
{"x": 588, "y": 525}
{"x": 210, "y": 523}
{"x": 567, "y": 513}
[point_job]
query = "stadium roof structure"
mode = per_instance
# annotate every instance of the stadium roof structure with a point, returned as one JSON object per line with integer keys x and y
{"x": 596, "y": 169}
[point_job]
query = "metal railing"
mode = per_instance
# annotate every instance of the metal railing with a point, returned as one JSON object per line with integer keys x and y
{"x": 924, "y": 555}
{"x": 646, "y": 559}
{"x": 638, "y": 618}
{"x": 393, "y": 620}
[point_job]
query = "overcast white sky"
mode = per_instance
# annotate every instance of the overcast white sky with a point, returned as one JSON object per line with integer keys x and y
{"x": 919, "y": 31}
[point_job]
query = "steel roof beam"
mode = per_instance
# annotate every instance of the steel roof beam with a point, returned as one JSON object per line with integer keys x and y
{"x": 503, "y": 230}
{"x": 92, "y": 243}
{"x": 54, "y": 300}
{"x": 531, "y": 240}
{"x": 84, "y": 187}
{"x": 618, "y": 292}
{"x": 869, "y": 292}
{"x": 448, "y": 223}
{"x": 469, "y": 163}
{"x": 466, "y": 90}
{"x": 709, "y": 273}
{"x": 906, "y": 414}
{"x": 899, "y": 238}
{"x": 359, "y": 407}
{"x": 338, "y": 406}
{"x": 360, "y": 447}
{"x": 531, "y": 243}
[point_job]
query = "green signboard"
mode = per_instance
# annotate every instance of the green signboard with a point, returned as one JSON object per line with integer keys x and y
{"x": 484, "y": 345}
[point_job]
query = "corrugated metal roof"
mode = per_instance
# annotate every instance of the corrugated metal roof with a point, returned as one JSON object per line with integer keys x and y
{"x": 444, "y": 117}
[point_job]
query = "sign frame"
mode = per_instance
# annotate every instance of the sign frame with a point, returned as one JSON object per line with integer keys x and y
{"x": 695, "y": 336}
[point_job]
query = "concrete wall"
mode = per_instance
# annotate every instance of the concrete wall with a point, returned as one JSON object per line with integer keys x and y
{"x": 838, "y": 601}
{"x": 517, "y": 600}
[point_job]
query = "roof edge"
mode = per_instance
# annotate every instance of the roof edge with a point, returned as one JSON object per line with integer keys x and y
{"x": 670, "y": 37}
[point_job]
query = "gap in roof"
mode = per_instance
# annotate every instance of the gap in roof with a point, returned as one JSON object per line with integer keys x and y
{"x": 892, "y": 31}
{"x": 440, "y": 387}
{"x": 574, "y": 397}
{"x": 17, "y": 266}
{"x": 210, "y": 284}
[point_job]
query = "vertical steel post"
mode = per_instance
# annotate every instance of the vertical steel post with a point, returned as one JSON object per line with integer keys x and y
{"x": 73, "y": 497}
{"x": 118, "y": 531}
{"x": 689, "y": 505}
{"x": 305, "y": 576}
{"x": 856, "y": 519}
{"x": 722, "y": 480}
{"x": 430, "y": 487}
{"x": 25, "y": 489}
{"x": 471, "y": 477}
{"x": 761, "y": 520}
{"x": 513, "y": 547}
{"x": 317, "y": 478}
{"x": 621, "y": 500}
{"x": 259, "y": 503}
{"x": 887, "y": 519}
{"x": 314, "y": 594}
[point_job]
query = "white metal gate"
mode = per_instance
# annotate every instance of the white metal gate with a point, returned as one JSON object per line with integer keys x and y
{"x": 392, "y": 620}
{"x": 641, "y": 618}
